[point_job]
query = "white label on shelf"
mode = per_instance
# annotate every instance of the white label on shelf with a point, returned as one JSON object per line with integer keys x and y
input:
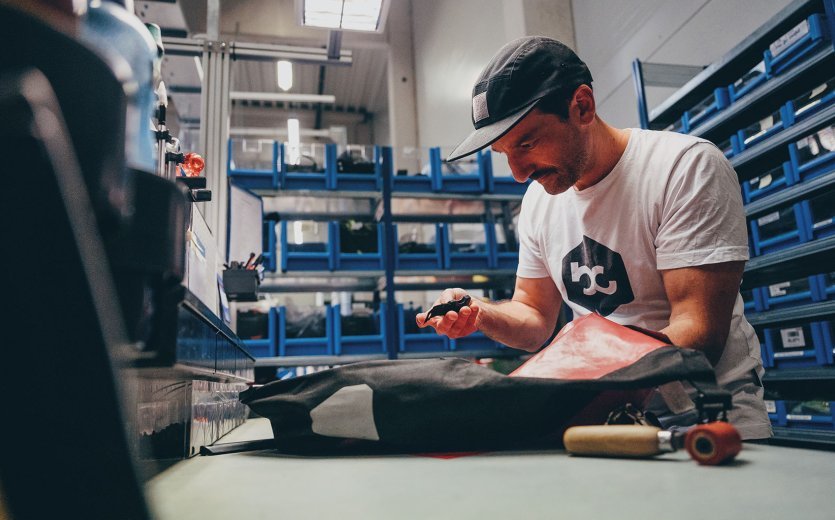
{"x": 823, "y": 223}
{"x": 768, "y": 219}
{"x": 778, "y": 289}
{"x": 765, "y": 181}
{"x": 784, "y": 42}
{"x": 771, "y": 407}
{"x": 793, "y": 338}
{"x": 793, "y": 417}
{"x": 780, "y": 355}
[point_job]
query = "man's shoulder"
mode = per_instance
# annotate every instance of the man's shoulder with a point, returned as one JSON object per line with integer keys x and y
{"x": 672, "y": 141}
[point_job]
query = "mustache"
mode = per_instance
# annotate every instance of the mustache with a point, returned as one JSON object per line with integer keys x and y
{"x": 542, "y": 172}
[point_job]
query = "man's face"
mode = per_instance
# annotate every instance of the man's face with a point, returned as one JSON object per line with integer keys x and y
{"x": 546, "y": 149}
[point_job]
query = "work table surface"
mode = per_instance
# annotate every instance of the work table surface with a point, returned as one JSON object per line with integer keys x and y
{"x": 766, "y": 482}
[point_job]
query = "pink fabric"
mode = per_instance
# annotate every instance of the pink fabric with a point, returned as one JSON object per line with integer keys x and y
{"x": 589, "y": 348}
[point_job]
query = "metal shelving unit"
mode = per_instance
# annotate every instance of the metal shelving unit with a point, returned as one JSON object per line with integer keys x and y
{"x": 801, "y": 260}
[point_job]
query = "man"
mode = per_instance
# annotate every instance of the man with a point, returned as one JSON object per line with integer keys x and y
{"x": 646, "y": 228}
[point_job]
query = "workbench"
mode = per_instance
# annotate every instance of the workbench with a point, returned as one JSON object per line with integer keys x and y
{"x": 766, "y": 482}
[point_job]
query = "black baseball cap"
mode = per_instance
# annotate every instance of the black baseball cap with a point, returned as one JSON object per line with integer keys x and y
{"x": 519, "y": 75}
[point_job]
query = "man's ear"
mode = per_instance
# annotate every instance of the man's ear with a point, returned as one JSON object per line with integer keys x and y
{"x": 583, "y": 105}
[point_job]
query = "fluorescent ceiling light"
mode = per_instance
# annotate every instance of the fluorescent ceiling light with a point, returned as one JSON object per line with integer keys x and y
{"x": 284, "y": 74}
{"x": 350, "y": 15}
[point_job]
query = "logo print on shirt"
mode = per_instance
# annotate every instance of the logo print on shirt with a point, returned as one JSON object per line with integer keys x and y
{"x": 595, "y": 277}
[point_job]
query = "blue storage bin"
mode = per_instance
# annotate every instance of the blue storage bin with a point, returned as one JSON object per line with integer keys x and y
{"x": 730, "y": 146}
{"x": 253, "y": 163}
{"x": 412, "y": 171}
{"x": 505, "y": 255}
{"x": 814, "y": 155}
{"x": 748, "y": 82}
{"x": 821, "y": 215}
{"x": 813, "y": 101}
{"x": 467, "y": 246}
{"x": 795, "y": 347}
{"x": 312, "y": 337}
{"x": 776, "y": 412}
{"x": 763, "y": 351}
{"x": 791, "y": 292}
{"x": 766, "y": 127}
{"x": 778, "y": 230}
{"x": 810, "y": 415}
{"x": 306, "y": 167}
{"x": 412, "y": 338}
{"x": 419, "y": 246}
{"x": 308, "y": 249}
{"x": 367, "y": 255}
{"x": 465, "y": 175}
{"x": 270, "y": 244}
{"x": 499, "y": 176}
{"x": 827, "y": 332}
{"x": 827, "y": 285}
{"x": 796, "y": 45}
{"x": 753, "y": 299}
{"x": 267, "y": 346}
{"x": 357, "y": 167}
{"x": 772, "y": 181}
{"x": 371, "y": 339}
{"x": 706, "y": 109}
{"x": 676, "y": 126}
{"x": 475, "y": 341}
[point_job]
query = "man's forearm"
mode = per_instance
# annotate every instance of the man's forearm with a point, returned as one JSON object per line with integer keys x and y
{"x": 514, "y": 324}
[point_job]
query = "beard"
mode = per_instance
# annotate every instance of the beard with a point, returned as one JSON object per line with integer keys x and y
{"x": 556, "y": 180}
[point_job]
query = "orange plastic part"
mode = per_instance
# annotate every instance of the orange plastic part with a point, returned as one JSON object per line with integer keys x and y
{"x": 713, "y": 443}
{"x": 193, "y": 164}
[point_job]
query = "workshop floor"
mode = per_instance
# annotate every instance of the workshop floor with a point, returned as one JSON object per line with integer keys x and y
{"x": 766, "y": 482}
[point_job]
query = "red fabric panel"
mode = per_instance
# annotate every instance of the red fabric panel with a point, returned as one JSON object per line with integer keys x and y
{"x": 589, "y": 348}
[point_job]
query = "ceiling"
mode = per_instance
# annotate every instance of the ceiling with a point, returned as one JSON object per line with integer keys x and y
{"x": 359, "y": 89}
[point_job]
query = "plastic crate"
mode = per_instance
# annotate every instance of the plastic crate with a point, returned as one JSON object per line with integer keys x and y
{"x": 270, "y": 244}
{"x": 305, "y": 167}
{"x": 729, "y": 146}
{"x": 253, "y": 163}
{"x": 827, "y": 331}
{"x": 357, "y": 167}
{"x": 297, "y": 341}
{"x": 827, "y": 285}
{"x": 475, "y": 341}
{"x": 821, "y": 215}
{"x": 752, "y": 299}
{"x": 412, "y": 338}
{"x": 796, "y": 45}
{"x": 763, "y": 354}
{"x": 814, "y": 155}
{"x": 499, "y": 175}
{"x": 795, "y": 347}
{"x": 266, "y": 346}
{"x": 776, "y": 412}
{"x": 419, "y": 246}
{"x": 810, "y": 415}
{"x": 776, "y": 179}
{"x": 778, "y": 230}
{"x": 756, "y": 132}
{"x": 505, "y": 254}
{"x": 467, "y": 246}
{"x": 412, "y": 171}
{"x": 358, "y": 249}
{"x": 371, "y": 341}
{"x": 791, "y": 292}
{"x": 748, "y": 82}
{"x": 307, "y": 246}
{"x": 466, "y": 175}
{"x": 676, "y": 126}
{"x": 813, "y": 101}
{"x": 706, "y": 109}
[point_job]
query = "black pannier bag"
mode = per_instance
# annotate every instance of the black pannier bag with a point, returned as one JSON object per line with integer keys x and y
{"x": 592, "y": 367}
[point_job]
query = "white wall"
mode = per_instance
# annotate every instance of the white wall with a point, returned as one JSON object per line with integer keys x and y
{"x": 610, "y": 35}
{"x": 454, "y": 40}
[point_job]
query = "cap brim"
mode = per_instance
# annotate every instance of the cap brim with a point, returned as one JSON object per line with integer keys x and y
{"x": 487, "y": 135}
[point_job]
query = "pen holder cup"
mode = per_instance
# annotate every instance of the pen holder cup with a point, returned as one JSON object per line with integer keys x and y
{"x": 241, "y": 284}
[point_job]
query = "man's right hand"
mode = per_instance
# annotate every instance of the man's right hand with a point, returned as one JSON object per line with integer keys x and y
{"x": 453, "y": 324}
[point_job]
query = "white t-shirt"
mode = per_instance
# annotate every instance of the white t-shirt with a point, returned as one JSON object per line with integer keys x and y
{"x": 671, "y": 201}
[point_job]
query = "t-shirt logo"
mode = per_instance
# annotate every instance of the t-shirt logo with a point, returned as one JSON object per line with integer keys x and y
{"x": 595, "y": 277}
